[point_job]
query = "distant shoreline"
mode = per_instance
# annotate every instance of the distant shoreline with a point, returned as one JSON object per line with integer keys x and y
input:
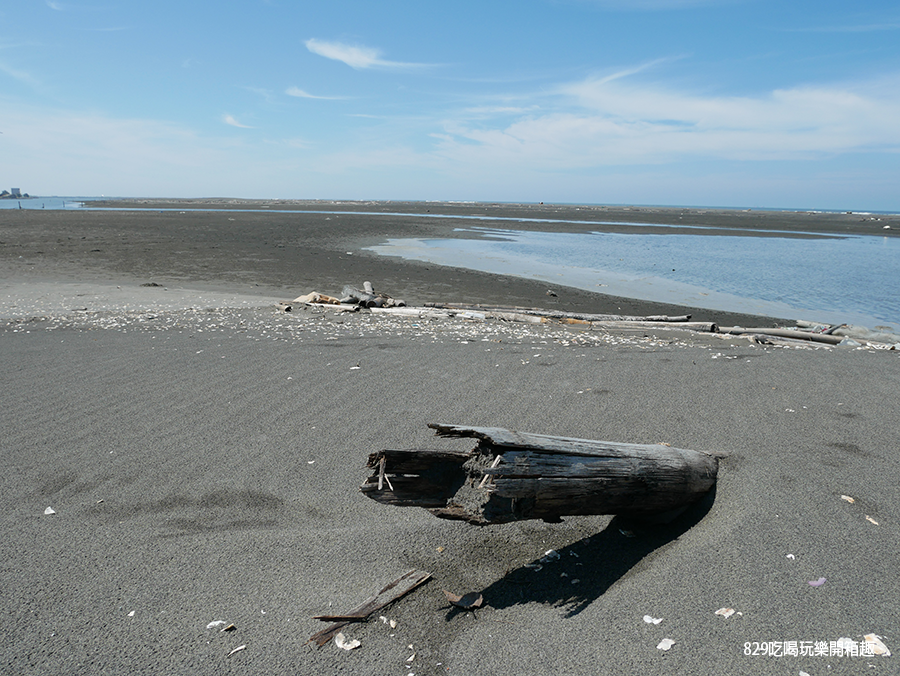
{"x": 561, "y": 218}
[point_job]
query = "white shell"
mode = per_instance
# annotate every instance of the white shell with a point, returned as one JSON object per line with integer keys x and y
{"x": 344, "y": 643}
{"x": 879, "y": 648}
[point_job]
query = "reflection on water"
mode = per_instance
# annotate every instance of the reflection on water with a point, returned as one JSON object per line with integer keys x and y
{"x": 847, "y": 279}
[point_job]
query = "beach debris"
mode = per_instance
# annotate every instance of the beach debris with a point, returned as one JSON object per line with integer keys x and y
{"x": 237, "y": 650}
{"x": 848, "y": 499}
{"x": 652, "y": 620}
{"x": 216, "y": 623}
{"x": 550, "y": 555}
{"x": 871, "y": 520}
{"x": 230, "y": 627}
{"x": 877, "y": 646}
{"x": 558, "y": 314}
{"x": 534, "y": 566}
{"x": 790, "y": 556}
{"x": 469, "y": 601}
{"x": 725, "y": 612}
{"x": 627, "y": 533}
{"x": 131, "y": 614}
{"x": 796, "y": 334}
{"x": 540, "y": 477}
{"x": 665, "y": 644}
{"x": 392, "y": 623}
{"x": 344, "y": 643}
{"x": 388, "y": 594}
{"x": 817, "y": 583}
{"x": 317, "y": 298}
{"x": 49, "y": 511}
{"x": 368, "y": 298}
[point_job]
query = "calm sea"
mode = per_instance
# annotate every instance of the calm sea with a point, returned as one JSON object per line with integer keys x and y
{"x": 850, "y": 280}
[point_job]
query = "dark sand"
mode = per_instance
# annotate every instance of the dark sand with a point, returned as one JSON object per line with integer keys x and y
{"x": 204, "y": 465}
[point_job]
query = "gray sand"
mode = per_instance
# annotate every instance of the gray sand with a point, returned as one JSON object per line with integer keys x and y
{"x": 204, "y": 463}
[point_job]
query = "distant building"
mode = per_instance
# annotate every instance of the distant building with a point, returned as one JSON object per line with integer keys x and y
{"x": 16, "y": 192}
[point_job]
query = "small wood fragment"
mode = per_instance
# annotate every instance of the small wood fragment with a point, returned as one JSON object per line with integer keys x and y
{"x": 469, "y": 601}
{"x": 390, "y": 593}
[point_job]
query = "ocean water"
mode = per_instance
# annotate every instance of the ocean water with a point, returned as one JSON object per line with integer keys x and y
{"x": 44, "y": 202}
{"x": 850, "y": 280}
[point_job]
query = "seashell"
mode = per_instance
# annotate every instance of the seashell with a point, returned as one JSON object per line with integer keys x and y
{"x": 344, "y": 643}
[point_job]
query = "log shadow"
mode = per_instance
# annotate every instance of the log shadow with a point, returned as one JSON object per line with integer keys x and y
{"x": 585, "y": 569}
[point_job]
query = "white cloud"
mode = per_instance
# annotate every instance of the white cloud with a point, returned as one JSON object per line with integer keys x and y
{"x": 55, "y": 6}
{"x": 354, "y": 56}
{"x": 300, "y": 93}
{"x": 229, "y": 119}
{"x": 609, "y": 121}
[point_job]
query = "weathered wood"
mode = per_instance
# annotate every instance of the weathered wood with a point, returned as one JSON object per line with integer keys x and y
{"x": 785, "y": 333}
{"x": 390, "y": 593}
{"x": 703, "y": 327}
{"x": 511, "y": 476}
{"x": 558, "y": 314}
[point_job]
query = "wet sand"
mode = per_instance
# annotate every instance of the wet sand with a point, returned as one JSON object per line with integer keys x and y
{"x": 204, "y": 465}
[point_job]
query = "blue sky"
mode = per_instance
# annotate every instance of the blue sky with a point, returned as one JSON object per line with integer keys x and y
{"x": 745, "y": 103}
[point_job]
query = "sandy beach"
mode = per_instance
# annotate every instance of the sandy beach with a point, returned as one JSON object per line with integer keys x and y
{"x": 201, "y": 452}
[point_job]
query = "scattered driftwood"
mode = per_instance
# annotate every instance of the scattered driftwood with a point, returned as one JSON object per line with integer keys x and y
{"x": 703, "y": 327}
{"x": 512, "y": 476}
{"x": 393, "y": 591}
{"x": 558, "y": 314}
{"x": 784, "y": 333}
{"x": 352, "y": 298}
{"x": 368, "y": 298}
{"x": 317, "y": 298}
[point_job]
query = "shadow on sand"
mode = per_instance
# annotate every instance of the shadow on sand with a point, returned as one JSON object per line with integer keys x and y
{"x": 596, "y": 562}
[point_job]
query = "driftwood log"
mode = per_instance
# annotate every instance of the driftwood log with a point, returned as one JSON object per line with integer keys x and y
{"x": 512, "y": 476}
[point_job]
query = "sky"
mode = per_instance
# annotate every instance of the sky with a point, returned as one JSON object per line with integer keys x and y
{"x": 736, "y": 103}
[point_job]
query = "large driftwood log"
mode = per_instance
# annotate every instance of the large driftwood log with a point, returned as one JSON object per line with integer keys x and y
{"x": 557, "y": 314}
{"x": 512, "y": 476}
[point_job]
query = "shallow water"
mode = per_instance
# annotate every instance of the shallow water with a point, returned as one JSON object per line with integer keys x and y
{"x": 52, "y": 203}
{"x": 826, "y": 279}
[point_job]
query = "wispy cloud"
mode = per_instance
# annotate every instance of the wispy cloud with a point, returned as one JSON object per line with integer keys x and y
{"x": 355, "y": 56}
{"x": 849, "y": 28}
{"x": 607, "y": 122}
{"x": 655, "y": 5}
{"x": 57, "y": 6}
{"x": 20, "y": 75}
{"x": 230, "y": 120}
{"x": 300, "y": 93}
